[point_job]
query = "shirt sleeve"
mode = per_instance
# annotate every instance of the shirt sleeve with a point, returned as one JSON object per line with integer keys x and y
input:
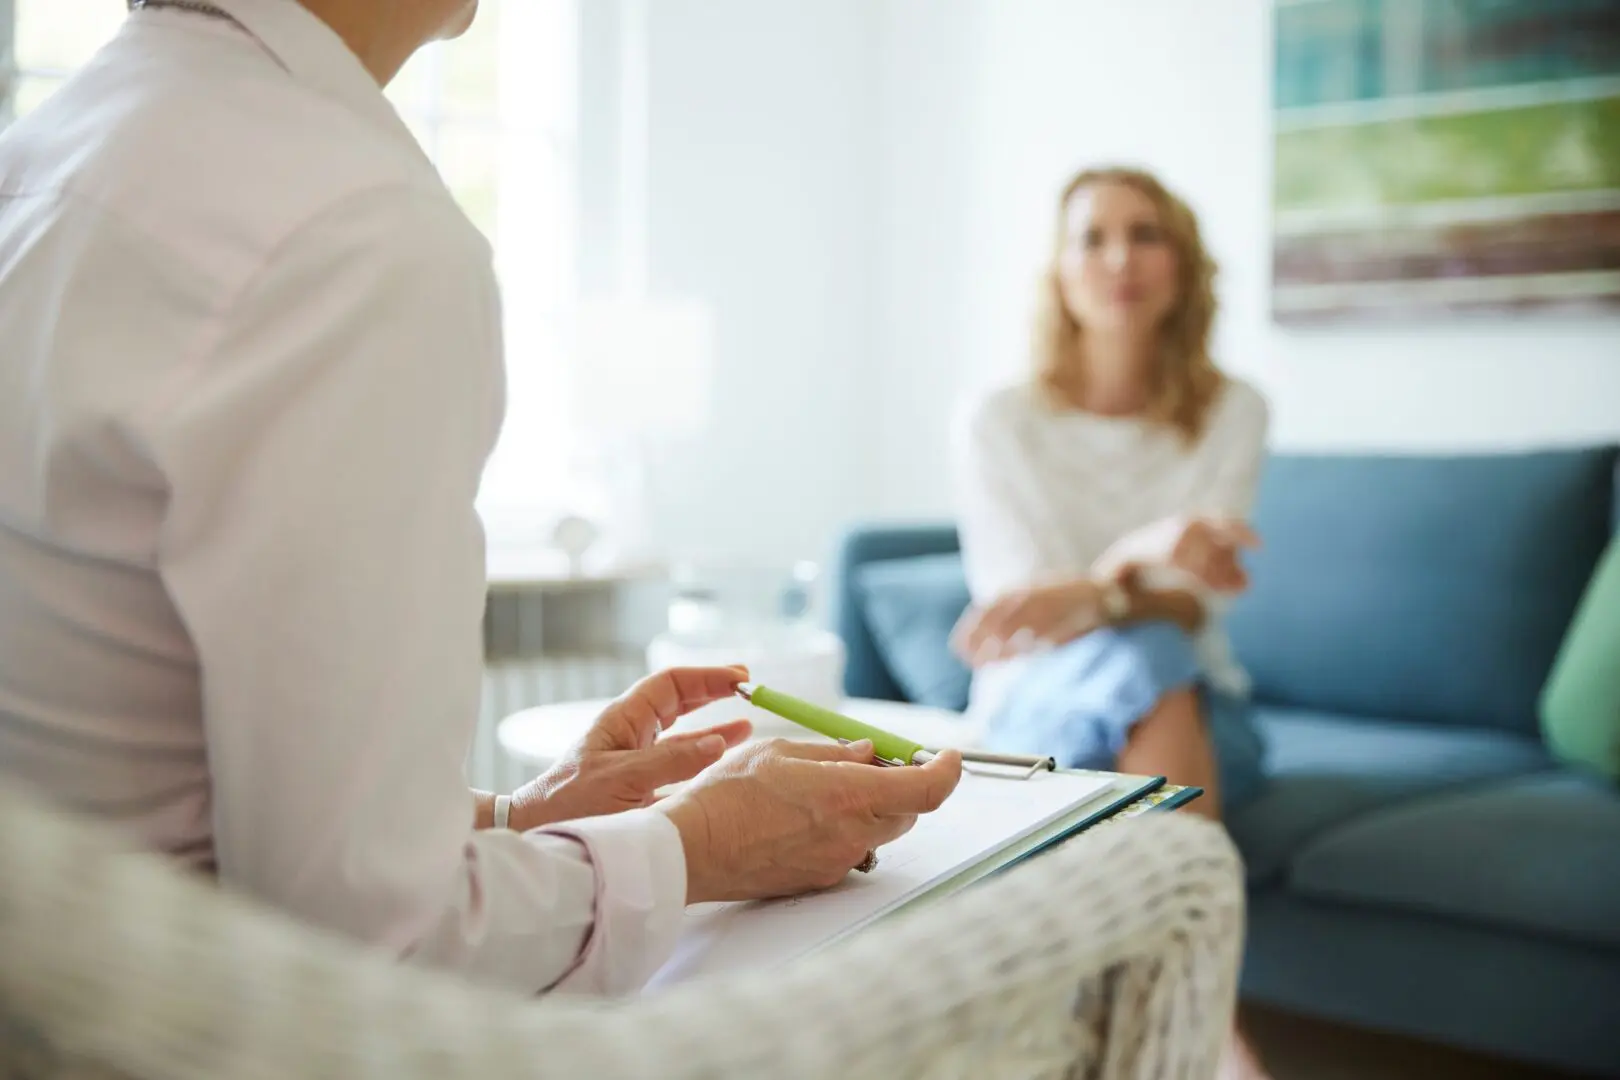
{"x": 1237, "y": 447}
{"x": 322, "y": 547}
{"x": 1241, "y": 455}
{"x": 999, "y": 518}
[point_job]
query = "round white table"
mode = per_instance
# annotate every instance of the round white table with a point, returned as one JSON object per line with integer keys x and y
{"x": 539, "y": 736}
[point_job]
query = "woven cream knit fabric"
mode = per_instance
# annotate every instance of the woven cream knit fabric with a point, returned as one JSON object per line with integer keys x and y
{"x": 1116, "y": 956}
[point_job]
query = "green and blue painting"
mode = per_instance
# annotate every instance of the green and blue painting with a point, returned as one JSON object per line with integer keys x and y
{"x": 1442, "y": 154}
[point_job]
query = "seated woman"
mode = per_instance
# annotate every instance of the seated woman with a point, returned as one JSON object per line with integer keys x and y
{"x": 246, "y": 398}
{"x": 1103, "y": 507}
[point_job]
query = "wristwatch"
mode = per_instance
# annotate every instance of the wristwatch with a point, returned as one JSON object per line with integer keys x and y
{"x": 1116, "y": 602}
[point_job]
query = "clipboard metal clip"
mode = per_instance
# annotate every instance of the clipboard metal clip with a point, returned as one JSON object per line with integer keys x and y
{"x": 1030, "y": 764}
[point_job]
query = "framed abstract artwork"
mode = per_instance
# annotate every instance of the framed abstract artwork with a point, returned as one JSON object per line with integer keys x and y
{"x": 1445, "y": 154}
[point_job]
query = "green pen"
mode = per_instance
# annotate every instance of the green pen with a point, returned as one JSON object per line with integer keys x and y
{"x": 887, "y": 747}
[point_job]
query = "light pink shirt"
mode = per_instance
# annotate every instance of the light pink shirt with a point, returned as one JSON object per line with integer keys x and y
{"x": 251, "y": 372}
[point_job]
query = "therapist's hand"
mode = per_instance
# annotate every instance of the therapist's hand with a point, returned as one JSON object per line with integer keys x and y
{"x": 778, "y": 818}
{"x": 622, "y": 762}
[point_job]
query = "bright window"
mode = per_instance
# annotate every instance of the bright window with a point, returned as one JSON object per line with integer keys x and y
{"x": 52, "y": 38}
{"x": 496, "y": 110}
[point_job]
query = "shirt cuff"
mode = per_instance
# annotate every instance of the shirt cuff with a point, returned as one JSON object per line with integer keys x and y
{"x": 640, "y": 868}
{"x": 1149, "y": 544}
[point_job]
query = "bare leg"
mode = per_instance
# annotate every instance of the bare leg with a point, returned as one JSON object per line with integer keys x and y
{"x": 1172, "y": 742}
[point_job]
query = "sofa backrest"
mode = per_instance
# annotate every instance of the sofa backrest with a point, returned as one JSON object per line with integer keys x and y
{"x": 1432, "y": 589}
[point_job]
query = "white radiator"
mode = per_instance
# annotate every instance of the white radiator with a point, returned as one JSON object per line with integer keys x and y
{"x": 511, "y": 685}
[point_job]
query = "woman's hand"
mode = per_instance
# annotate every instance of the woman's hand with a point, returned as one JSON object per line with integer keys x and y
{"x": 1209, "y": 549}
{"x": 1026, "y": 619}
{"x": 778, "y": 818}
{"x": 622, "y": 762}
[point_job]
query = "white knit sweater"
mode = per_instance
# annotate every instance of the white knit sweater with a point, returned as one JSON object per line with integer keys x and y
{"x": 1048, "y": 494}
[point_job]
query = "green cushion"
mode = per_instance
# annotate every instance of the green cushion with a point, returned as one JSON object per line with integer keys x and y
{"x": 1580, "y": 705}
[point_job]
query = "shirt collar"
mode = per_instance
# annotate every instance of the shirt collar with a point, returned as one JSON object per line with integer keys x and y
{"x": 313, "y": 54}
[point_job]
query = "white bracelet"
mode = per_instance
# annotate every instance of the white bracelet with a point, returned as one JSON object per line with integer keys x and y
{"x": 503, "y": 811}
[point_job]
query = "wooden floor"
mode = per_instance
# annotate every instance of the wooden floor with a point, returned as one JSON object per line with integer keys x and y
{"x": 1296, "y": 1048}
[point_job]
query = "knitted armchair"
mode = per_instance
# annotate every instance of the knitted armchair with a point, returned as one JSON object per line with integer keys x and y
{"x": 1115, "y": 956}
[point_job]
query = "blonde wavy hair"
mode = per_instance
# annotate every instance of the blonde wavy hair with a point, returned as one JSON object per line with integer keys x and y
{"x": 1186, "y": 380}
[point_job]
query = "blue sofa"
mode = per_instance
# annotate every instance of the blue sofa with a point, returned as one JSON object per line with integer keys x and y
{"x": 1418, "y": 863}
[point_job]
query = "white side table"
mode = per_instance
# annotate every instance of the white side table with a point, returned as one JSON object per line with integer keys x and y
{"x": 539, "y": 736}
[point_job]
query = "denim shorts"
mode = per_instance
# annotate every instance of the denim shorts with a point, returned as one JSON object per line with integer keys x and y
{"x": 1079, "y": 702}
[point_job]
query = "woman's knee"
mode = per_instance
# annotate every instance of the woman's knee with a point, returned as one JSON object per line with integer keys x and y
{"x": 1159, "y": 652}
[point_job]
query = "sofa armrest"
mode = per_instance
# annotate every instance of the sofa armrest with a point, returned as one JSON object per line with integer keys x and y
{"x": 865, "y": 674}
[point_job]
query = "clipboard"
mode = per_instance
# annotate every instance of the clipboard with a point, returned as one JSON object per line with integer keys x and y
{"x": 1132, "y": 795}
{"x": 963, "y": 847}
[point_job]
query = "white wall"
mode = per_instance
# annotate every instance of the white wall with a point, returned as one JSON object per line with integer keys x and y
{"x": 931, "y": 331}
{"x": 761, "y": 180}
{"x": 1024, "y": 92}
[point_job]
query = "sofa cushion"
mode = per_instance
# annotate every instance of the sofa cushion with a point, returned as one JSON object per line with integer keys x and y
{"x": 1434, "y": 589}
{"x": 1537, "y": 853}
{"x": 865, "y": 674}
{"x": 1325, "y": 770}
{"x": 911, "y": 605}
